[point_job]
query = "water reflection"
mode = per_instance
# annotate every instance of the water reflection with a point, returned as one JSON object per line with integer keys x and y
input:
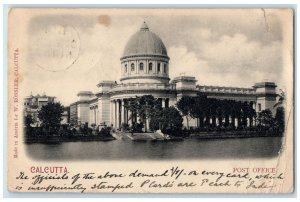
{"x": 261, "y": 147}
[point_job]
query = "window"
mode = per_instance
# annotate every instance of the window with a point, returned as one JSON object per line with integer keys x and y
{"x": 259, "y": 107}
{"x": 165, "y": 68}
{"x": 158, "y": 67}
{"x": 132, "y": 67}
{"x": 125, "y": 67}
{"x": 150, "y": 66}
{"x": 142, "y": 66}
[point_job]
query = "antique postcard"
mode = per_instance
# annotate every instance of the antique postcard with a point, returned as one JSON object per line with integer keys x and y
{"x": 150, "y": 100}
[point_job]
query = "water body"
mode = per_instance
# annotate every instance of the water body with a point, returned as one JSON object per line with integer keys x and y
{"x": 258, "y": 147}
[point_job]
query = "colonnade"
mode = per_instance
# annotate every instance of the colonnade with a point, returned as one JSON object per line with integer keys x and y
{"x": 234, "y": 121}
{"x": 220, "y": 120}
{"x": 120, "y": 114}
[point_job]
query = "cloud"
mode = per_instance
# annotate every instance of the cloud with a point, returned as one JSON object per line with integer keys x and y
{"x": 218, "y": 48}
{"x": 100, "y": 50}
{"x": 233, "y": 61}
{"x": 183, "y": 62}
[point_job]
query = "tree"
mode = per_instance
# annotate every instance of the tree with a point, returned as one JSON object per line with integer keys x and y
{"x": 227, "y": 111}
{"x": 281, "y": 99}
{"x": 280, "y": 112}
{"x": 220, "y": 111}
{"x": 145, "y": 107}
{"x": 199, "y": 108}
{"x": 168, "y": 119}
{"x": 266, "y": 119}
{"x": 185, "y": 105}
{"x": 28, "y": 120}
{"x": 51, "y": 115}
{"x": 155, "y": 122}
{"x": 279, "y": 118}
{"x": 213, "y": 110}
{"x": 171, "y": 119}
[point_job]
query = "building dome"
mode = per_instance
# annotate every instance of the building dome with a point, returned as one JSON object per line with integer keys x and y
{"x": 145, "y": 59}
{"x": 145, "y": 42}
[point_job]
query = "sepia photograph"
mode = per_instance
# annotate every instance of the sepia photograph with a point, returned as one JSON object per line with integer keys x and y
{"x": 161, "y": 85}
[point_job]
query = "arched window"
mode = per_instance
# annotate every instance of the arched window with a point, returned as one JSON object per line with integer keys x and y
{"x": 141, "y": 66}
{"x": 165, "y": 68}
{"x": 125, "y": 68}
{"x": 150, "y": 66}
{"x": 132, "y": 67}
{"x": 158, "y": 67}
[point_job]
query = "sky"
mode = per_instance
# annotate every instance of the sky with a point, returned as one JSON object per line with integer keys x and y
{"x": 71, "y": 51}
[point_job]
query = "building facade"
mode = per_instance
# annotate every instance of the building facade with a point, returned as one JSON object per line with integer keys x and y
{"x": 145, "y": 71}
{"x": 34, "y": 103}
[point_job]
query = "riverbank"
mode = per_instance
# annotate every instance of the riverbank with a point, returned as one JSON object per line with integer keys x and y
{"x": 234, "y": 134}
{"x": 59, "y": 139}
{"x": 158, "y": 136}
{"x": 151, "y": 136}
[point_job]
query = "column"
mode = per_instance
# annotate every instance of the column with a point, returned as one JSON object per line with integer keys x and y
{"x": 96, "y": 112}
{"x": 137, "y": 117}
{"x": 163, "y": 102}
{"x": 126, "y": 113}
{"x": 117, "y": 114}
{"x": 91, "y": 115}
{"x": 95, "y": 116}
{"x": 147, "y": 124}
{"x": 136, "y": 67}
{"x": 122, "y": 112}
{"x": 147, "y": 67}
{"x": 129, "y": 115}
{"x": 112, "y": 113}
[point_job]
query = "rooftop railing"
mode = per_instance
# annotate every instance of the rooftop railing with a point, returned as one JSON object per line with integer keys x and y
{"x": 217, "y": 89}
{"x": 143, "y": 86}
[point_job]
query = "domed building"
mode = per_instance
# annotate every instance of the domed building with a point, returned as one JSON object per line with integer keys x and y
{"x": 145, "y": 59}
{"x": 145, "y": 71}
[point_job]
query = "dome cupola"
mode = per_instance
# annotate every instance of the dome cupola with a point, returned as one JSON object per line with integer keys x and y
{"x": 145, "y": 58}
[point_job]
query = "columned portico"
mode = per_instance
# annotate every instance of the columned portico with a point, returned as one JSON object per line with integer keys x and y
{"x": 119, "y": 113}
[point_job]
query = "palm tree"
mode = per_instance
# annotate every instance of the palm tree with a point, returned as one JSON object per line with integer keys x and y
{"x": 185, "y": 105}
{"x": 239, "y": 113}
{"x": 213, "y": 110}
{"x": 233, "y": 112}
{"x": 281, "y": 99}
{"x": 251, "y": 113}
{"x": 227, "y": 111}
{"x": 245, "y": 113}
{"x": 220, "y": 111}
{"x": 197, "y": 110}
